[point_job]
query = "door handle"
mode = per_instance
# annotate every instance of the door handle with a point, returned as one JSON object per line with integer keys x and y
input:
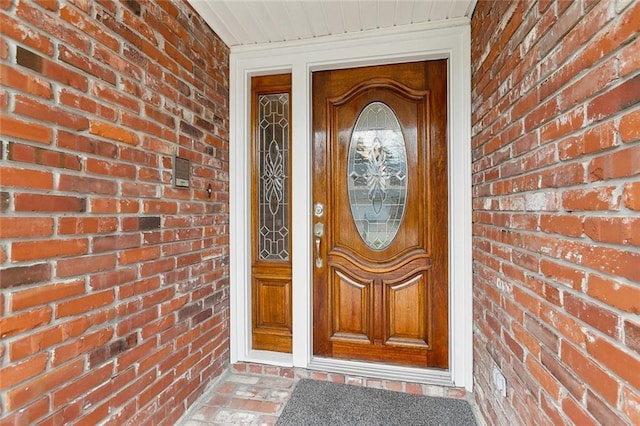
{"x": 318, "y": 232}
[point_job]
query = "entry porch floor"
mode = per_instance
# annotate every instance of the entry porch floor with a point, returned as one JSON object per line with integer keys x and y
{"x": 255, "y": 394}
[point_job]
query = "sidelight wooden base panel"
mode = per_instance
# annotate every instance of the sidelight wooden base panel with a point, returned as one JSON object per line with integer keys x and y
{"x": 271, "y": 341}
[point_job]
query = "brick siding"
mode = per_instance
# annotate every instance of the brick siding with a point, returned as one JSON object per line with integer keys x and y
{"x": 556, "y": 200}
{"x": 114, "y": 302}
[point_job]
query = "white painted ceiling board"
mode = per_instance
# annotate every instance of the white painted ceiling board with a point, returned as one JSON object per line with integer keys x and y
{"x": 404, "y": 12}
{"x": 386, "y": 14}
{"x": 351, "y": 16}
{"x": 333, "y": 16}
{"x": 276, "y": 18}
{"x": 368, "y": 16}
{"x": 458, "y": 7}
{"x": 439, "y": 11}
{"x": 251, "y": 22}
{"x": 317, "y": 26}
{"x": 298, "y": 20}
{"x": 421, "y": 10}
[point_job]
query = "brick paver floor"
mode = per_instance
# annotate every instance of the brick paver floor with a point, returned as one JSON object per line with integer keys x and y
{"x": 254, "y": 394}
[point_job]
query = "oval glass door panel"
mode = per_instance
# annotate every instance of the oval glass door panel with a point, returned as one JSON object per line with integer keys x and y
{"x": 377, "y": 175}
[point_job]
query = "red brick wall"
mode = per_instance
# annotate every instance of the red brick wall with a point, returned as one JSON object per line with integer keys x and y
{"x": 556, "y": 186}
{"x": 114, "y": 283}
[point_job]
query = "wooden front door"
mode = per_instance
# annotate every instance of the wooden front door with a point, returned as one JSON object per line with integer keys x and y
{"x": 380, "y": 283}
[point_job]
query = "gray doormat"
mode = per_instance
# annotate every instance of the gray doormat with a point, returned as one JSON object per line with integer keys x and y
{"x": 316, "y": 402}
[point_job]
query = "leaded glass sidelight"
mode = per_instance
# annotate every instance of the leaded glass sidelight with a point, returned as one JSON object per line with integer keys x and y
{"x": 273, "y": 182}
{"x": 377, "y": 175}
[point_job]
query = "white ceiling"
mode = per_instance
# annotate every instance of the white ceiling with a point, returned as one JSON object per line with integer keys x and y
{"x": 250, "y": 22}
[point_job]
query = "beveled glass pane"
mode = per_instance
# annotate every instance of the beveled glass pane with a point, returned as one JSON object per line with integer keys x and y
{"x": 273, "y": 183}
{"x": 377, "y": 175}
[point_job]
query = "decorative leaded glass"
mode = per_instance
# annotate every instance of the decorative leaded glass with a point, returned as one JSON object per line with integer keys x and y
{"x": 273, "y": 182}
{"x": 377, "y": 175}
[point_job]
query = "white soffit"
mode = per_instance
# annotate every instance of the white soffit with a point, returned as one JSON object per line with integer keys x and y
{"x": 253, "y": 22}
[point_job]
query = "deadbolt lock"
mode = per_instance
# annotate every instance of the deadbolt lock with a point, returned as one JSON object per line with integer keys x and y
{"x": 318, "y": 209}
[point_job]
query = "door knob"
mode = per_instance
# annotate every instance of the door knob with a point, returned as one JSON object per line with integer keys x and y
{"x": 318, "y": 232}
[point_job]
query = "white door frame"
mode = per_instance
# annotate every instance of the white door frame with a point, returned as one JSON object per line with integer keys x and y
{"x": 401, "y": 44}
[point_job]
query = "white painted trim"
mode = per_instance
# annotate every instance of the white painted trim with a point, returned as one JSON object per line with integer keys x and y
{"x": 302, "y": 271}
{"x": 301, "y": 58}
{"x": 460, "y": 217}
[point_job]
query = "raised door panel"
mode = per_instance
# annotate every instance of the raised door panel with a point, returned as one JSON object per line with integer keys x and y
{"x": 271, "y": 311}
{"x": 352, "y": 301}
{"x": 407, "y": 321}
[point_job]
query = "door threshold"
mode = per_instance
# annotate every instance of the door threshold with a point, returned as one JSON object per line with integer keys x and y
{"x": 270, "y": 358}
{"x": 427, "y": 376}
